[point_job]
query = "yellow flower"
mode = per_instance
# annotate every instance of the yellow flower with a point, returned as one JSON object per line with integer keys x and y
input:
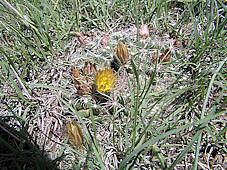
{"x": 105, "y": 80}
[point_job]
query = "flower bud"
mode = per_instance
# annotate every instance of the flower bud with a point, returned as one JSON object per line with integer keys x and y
{"x": 144, "y": 31}
{"x": 75, "y": 134}
{"x": 122, "y": 52}
{"x": 105, "y": 40}
{"x": 81, "y": 38}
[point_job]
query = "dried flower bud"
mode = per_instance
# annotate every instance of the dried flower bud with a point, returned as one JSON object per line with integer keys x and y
{"x": 166, "y": 55}
{"x": 89, "y": 68}
{"x": 81, "y": 38}
{"x": 144, "y": 31}
{"x": 181, "y": 43}
{"x": 177, "y": 43}
{"x": 105, "y": 40}
{"x": 122, "y": 52}
{"x": 75, "y": 134}
{"x": 76, "y": 76}
{"x": 81, "y": 83}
